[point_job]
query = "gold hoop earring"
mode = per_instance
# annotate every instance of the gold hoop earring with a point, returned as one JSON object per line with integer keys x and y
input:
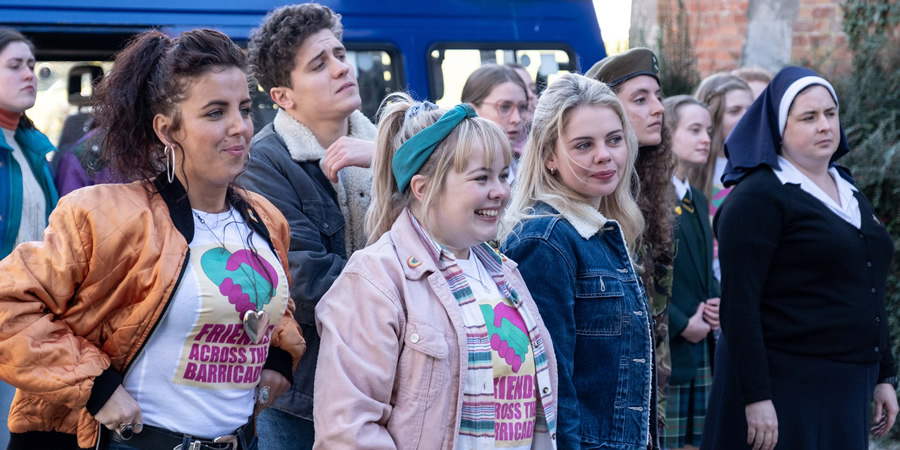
{"x": 170, "y": 171}
{"x": 246, "y": 164}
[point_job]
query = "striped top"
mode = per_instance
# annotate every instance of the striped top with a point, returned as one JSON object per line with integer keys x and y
{"x": 476, "y": 428}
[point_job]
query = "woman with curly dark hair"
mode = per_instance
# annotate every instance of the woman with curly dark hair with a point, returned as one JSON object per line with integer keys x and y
{"x": 155, "y": 314}
{"x": 633, "y": 75}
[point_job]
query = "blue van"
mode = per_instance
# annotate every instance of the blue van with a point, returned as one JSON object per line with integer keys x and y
{"x": 427, "y": 47}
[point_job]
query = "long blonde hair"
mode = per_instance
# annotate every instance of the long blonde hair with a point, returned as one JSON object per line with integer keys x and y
{"x": 454, "y": 152}
{"x": 534, "y": 182}
{"x": 712, "y": 91}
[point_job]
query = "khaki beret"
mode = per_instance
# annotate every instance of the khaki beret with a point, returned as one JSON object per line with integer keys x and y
{"x": 617, "y": 69}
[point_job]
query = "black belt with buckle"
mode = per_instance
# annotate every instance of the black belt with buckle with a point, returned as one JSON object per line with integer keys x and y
{"x": 155, "y": 438}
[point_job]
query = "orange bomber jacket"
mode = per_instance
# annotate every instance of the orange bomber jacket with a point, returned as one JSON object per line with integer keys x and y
{"x": 77, "y": 307}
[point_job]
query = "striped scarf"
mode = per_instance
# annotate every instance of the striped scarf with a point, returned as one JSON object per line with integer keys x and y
{"x": 476, "y": 428}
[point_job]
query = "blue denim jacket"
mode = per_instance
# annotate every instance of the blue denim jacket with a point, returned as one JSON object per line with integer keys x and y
{"x": 596, "y": 311}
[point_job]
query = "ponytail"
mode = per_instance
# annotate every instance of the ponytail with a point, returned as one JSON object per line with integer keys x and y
{"x": 126, "y": 102}
{"x": 387, "y": 202}
{"x": 151, "y": 76}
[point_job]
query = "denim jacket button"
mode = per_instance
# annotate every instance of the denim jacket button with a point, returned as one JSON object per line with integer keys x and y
{"x": 414, "y": 338}
{"x": 546, "y": 390}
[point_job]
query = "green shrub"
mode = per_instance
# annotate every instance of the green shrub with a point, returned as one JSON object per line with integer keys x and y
{"x": 677, "y": 62}
{"x": 870, "y": 114}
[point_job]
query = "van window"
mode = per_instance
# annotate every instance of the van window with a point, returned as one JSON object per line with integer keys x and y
{"x": 52, "y": 106}
{"x": 378, "y": 73}
{"x": 449, "y": 67}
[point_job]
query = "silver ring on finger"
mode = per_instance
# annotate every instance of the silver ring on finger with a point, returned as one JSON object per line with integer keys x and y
{"x": 262, "y": 396}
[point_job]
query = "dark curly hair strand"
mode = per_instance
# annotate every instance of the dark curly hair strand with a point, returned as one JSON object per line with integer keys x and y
{"x": 151, "y": 76}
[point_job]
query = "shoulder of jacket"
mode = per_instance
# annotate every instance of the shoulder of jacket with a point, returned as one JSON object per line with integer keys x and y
{"x": 553, "y": 232}
{"x": 375, "y": 259}
{"x": 267, "y": 143}
{"x": 113, "y": 198}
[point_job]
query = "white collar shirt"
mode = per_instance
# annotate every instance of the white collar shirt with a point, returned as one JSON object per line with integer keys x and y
{"x": 848, "y": 209}
{"x": 682, "y": 187}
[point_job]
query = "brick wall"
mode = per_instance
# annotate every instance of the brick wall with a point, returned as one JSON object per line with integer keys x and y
{"x": 818, "y": 39}
{"x": 719, "y": 30}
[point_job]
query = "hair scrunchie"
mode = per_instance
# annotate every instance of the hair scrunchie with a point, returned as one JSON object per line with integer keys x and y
{"x": 414, "y": 110}
{"x": 411, "y": 156}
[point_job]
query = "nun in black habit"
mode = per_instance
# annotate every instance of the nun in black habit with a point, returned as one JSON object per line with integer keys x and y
{"x": 804, "y": 260}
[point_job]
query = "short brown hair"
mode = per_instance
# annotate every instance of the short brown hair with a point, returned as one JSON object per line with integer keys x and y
{"x": 273, "y": 46}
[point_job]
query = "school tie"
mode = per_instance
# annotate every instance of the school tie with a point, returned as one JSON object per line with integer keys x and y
{"x": 686, "y": 202}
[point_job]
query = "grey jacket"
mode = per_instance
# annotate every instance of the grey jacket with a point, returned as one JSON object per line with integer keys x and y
{"x": 325, "y": 220}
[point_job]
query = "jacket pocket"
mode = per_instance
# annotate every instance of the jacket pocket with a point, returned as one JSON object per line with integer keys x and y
{"x": 328, "y": 219}
{"x": 599, "y": 302}
{"x": 423, "y": 363}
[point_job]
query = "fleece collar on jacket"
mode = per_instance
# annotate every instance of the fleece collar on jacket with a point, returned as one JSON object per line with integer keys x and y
{"x": 302, "y": 143}
{"x": 586, "y": 220}
{"x": 354, "y": 184}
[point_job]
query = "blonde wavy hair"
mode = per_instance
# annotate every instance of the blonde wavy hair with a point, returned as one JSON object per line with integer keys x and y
{"x": 453, "y": 153}
{"x": 534, "y": 183}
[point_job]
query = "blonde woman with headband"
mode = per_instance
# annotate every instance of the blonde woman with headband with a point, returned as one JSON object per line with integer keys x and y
{"x": 573, "y": 226}
{"x": 430, "y": 338}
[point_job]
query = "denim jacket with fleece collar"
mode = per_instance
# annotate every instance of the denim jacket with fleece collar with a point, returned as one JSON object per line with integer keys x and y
{"x": 595, "y": 307}
{"x": 35, "y": 146}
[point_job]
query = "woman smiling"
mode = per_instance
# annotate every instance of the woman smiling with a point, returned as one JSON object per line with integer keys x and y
{"x": 171, "y": 290}
{"x": 430, "y": 338}
{"x": 572, "y": 226}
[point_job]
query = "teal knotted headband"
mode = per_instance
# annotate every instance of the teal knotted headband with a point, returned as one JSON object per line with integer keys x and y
{"x": 411, "y": 156}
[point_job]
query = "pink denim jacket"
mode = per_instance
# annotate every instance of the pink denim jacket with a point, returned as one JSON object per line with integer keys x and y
{"x": 393, "y": 349}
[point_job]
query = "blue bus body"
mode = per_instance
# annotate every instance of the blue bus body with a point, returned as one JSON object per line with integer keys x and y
{"x": 82, "y": 30}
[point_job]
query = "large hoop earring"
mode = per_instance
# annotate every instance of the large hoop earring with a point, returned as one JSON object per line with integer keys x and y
{"x": 170, "y": 171}
{"x": 246, "y": 164}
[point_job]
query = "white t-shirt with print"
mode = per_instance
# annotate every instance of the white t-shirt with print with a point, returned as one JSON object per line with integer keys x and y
{"x": 198, "y": 372}
{"x": 515, "y": 388}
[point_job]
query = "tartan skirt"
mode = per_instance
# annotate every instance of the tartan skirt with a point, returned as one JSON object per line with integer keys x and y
{"x": 686, "y": 408}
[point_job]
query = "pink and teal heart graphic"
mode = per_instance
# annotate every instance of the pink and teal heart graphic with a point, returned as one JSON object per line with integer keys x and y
{"x": 509, "y": 337}
{"x": 239, "y": 276}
